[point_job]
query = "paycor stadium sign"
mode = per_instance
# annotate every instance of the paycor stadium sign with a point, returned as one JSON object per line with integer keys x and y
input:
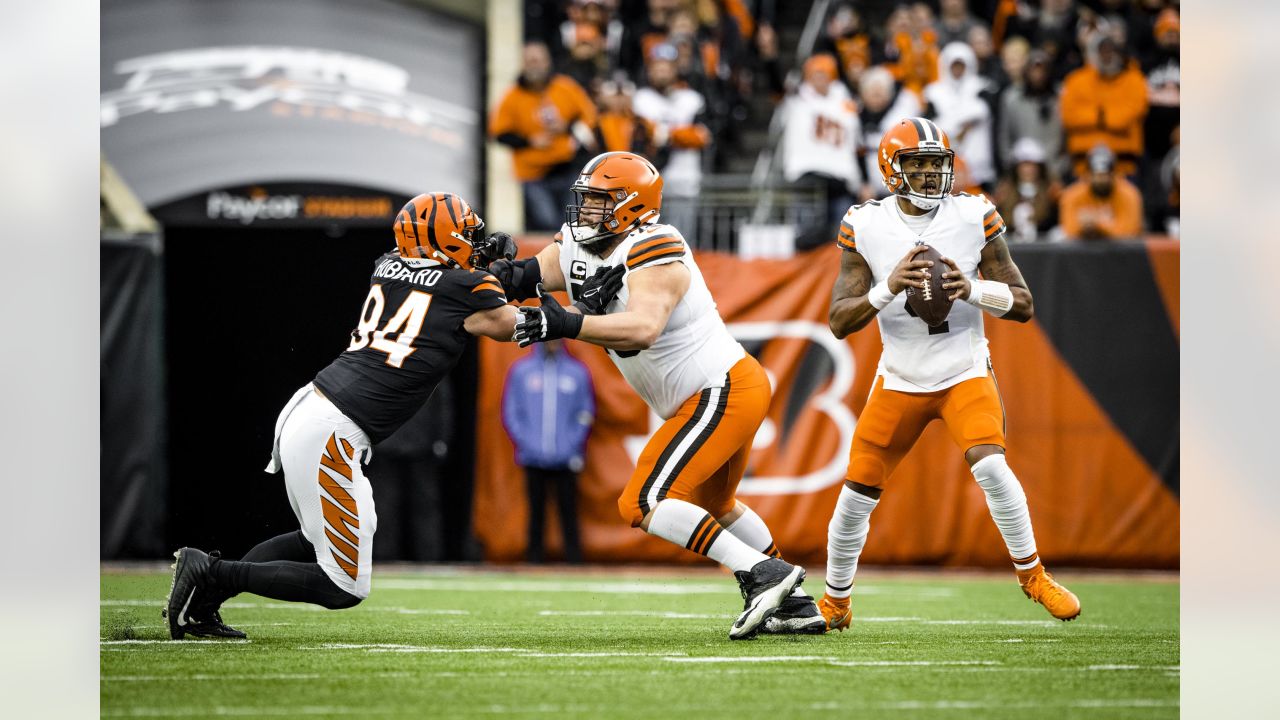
{"x": 284, "y": 205}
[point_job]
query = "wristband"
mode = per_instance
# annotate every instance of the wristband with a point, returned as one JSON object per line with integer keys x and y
{"x": 573, "y": 324}
{"x": 991, "y": 296}
{"x": 880, "y": 295}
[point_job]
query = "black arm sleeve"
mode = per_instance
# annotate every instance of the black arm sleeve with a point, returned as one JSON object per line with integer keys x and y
{"x": 512, "y": 140}
{"x": 519, "y": 278}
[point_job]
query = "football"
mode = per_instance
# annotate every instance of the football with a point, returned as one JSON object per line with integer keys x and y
{"x": 930, "y": 303}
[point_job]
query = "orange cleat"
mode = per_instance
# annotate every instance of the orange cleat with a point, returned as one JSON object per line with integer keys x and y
{"x": 836, "y": 612}
{"x": 1040, "y": 586}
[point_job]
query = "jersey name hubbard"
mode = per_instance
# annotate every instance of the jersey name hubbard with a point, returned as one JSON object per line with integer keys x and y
{"x": 408, "y": 337}
{"x": 918, "y": 358}
{"x": 694, "y": 350}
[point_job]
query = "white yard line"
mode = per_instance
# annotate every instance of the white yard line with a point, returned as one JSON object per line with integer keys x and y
{"x": 295, "y": 606}
{"x": 826, "y": 659}
{"x": 654, "y": 587}
{"x": 1162, "y": 668}
{"x": 254, "y": 676}
{"x": 515, "y": 652}
{"x": 178, "y": 643}
{"x": 239, "y": 711}
{"x": 636, "y": 613}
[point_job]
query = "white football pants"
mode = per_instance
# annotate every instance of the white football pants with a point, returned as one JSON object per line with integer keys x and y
{"x": 321, "y": 451}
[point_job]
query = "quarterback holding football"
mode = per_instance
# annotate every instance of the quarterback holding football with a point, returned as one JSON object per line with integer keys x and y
{"x": 906, "y": 260}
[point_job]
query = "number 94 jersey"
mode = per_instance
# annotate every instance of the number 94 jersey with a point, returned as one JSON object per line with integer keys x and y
{"x": 916, "y": 357}
{"x": 409, "y": 336}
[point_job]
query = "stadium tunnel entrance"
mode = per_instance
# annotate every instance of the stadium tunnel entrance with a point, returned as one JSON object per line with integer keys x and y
{"x": 274, "y": 143}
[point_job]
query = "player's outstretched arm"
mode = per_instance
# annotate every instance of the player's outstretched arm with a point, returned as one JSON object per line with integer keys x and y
{"x": 520, "y": 278}
{"x": 549, "y": 264}
{"x": 497, "y": 323}
{"x": 854, "y": 300}
{"x": 654, "y": 293}
{"x": 997, "y": 267}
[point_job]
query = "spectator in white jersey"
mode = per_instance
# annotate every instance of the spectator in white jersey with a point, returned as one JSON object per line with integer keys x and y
{"x": 677, "y": 112}
{"x": 820, "y": 141}
{"x": 956, "y": 105}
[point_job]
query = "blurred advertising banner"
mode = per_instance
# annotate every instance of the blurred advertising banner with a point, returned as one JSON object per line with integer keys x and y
{"x": 198, "y": 97}
{"x": 1090, "y": 389}
{"x": 291, "y": 204}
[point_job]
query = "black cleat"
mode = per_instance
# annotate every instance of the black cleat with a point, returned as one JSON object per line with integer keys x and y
{"x": 184, "y": 608}
{"x": 211, "y": 626}
{"x": 764, "y": 588}
{"x": 797, "y": 615}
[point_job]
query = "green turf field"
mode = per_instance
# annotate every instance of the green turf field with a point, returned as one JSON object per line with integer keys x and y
{"x": 628, "y": 644}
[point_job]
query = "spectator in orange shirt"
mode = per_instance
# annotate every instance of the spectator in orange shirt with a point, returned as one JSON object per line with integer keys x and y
{"x": 1101, "y": 205}
{"x": 545, "y": 120}
{"x": 1105, "y": 103}
{"x": 919, "y": 59}
{"x": 912, "y": 49}
{"x": 848, "y": 41}
{"x": 621, "y": 129}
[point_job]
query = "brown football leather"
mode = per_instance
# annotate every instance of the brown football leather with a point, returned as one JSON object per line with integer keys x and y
{"x": 931, "y": 304}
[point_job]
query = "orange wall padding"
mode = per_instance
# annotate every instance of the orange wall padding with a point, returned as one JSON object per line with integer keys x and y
{"x": 1094, "y": 501}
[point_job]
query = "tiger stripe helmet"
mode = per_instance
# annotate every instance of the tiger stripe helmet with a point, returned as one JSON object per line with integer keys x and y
{"x": 915, "y": 135}
{"x": 634, "y": 188}
{"x": 440, "y": 227}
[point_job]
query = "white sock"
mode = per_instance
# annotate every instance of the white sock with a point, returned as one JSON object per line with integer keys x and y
{"x": 1008, "y": 505}
{"x": 750, "y": 529}
{"x": 846, "y": 535}
{"x": 693, "y": 528}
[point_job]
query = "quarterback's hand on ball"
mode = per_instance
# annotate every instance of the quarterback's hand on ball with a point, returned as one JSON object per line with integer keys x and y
{"x": 954, "y": 282}
{"x": 600, "y": 289}
{"x": 548, "y": 322}
{"x": 909, "y": 271}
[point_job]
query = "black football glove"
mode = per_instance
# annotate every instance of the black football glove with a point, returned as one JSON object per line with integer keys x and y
{"x": 497, "y": 247}
{"x": 548, "y": 322}
{"x": 600, "y": 289}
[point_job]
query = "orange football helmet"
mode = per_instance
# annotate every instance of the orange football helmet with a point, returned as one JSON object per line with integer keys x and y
{"x": 634, "y": 191}
{"x": 441, "y": 227}
{"x": 916, "y": 136}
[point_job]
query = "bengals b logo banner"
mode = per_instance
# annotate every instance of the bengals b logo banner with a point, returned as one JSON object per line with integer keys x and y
{"x": 1092, "y": 435}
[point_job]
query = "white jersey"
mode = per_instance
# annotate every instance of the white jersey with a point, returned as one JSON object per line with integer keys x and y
{"x": 821, "y": 134}
{"x": 916, "y": 357}
{"x": 680, "y": 107}
{"x": 693, "y": 352}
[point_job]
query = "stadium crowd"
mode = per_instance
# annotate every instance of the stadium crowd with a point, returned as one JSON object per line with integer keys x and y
{"x": 1064, "y": 112}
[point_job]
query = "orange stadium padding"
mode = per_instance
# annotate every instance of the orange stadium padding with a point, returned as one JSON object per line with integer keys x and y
{"x": 1094, "y": 500}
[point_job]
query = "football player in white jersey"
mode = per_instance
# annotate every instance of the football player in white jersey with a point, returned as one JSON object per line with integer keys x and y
{"x": 637, "y": 292}
{"x": 925, "y": 372}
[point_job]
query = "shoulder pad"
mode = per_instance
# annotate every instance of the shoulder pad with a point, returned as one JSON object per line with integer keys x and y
{"x": 654, "y": 244}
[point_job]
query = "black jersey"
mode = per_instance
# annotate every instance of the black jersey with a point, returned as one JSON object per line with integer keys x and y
{"x": 409, "y": 336}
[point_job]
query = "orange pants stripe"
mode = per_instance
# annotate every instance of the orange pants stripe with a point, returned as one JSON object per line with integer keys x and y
{"x": 700, "y": 454}
{"x": 893, "y": 421}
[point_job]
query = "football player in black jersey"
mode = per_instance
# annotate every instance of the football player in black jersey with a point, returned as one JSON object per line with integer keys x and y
{"x": 426, "y": 298}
